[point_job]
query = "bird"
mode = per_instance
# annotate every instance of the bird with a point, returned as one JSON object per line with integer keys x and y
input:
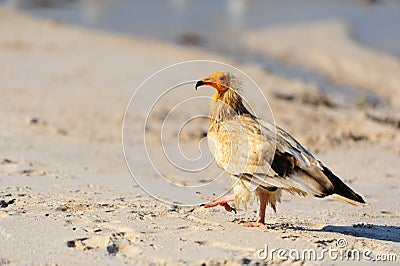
{"x": 260, "y": 158}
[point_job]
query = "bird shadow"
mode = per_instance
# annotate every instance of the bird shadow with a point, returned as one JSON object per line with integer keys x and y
{"x": 371, "y": 231}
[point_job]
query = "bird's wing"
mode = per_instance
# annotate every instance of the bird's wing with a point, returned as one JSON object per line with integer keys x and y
{"x": 267, "y": 156}
{"x": 311, "y": 173}
{"x": 298, "y": 168}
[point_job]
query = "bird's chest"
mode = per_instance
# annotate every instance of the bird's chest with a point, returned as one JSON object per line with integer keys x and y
{"x": 233, "y": 148}
{"x": 220, "y": 146}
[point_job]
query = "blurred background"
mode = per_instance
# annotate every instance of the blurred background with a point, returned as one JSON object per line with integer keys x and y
{"x": 221, "y": 26}
{"x": 331, "y": 54}
{"x": 216, "y": 24}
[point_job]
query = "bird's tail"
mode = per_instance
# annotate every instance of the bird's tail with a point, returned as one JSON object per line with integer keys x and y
{"x": 341, "y": 191}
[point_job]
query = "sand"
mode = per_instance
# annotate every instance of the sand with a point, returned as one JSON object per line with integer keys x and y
{"x": 67, "y": 196}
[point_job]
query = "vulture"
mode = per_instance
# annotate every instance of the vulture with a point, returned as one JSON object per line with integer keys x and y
{"x": 261, "y": 159}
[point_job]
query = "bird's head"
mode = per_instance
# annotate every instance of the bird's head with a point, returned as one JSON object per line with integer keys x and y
{"x": 218, "y": 80}
{"x": 228, "y": 89}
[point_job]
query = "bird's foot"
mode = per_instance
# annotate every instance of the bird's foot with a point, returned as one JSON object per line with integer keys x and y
{"x": 215, "y": 201}
{"x": 256, "y": 224}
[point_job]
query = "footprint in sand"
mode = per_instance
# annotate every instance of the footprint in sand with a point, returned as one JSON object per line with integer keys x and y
{"x": 117, "y": 243}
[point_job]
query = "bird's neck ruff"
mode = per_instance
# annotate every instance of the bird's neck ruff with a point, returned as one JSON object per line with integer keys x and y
{"x": 227, "y": 106}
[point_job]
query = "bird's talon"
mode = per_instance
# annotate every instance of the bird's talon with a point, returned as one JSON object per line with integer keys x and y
{"x": 256, "y": 224}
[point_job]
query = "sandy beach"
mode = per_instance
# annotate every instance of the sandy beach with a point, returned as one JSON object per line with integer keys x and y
{"x": 67, "y": 197}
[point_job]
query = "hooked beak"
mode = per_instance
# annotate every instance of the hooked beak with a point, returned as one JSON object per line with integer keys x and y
{"x": 198, "y": 84}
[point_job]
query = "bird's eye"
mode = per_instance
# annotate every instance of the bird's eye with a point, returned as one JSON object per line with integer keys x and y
{"x": 222, "y": 78}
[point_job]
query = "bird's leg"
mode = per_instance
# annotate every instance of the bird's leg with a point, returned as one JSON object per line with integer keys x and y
{"x": 261, "y": 215}
{"x": 215, "y": 201}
